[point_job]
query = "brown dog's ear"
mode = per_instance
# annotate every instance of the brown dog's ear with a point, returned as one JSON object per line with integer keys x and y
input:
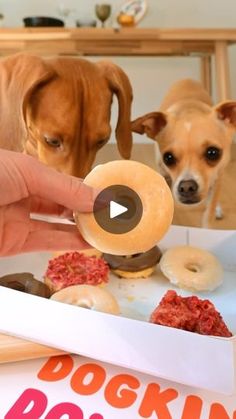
{"x": 226, "y": 111}
{"x": 150, "y": 124}
{"x": 20, "y": 74}
{"x": 120, "y": 85}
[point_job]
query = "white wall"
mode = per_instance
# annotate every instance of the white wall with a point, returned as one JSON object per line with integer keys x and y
{"x": 164, "y": 13}
{"x": 150, "y": 77}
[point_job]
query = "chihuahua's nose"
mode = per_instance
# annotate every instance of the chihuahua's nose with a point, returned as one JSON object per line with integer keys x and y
{"x": 187, "y": 188}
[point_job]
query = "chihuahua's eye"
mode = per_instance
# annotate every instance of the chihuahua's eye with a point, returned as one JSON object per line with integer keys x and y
{"x": 53, "y": 142}
{"x": 212, "y": 154}
{"x": 169, "y": 159}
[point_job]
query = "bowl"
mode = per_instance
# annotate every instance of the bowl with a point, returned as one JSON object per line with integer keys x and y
{"x": 89, "y": 23}
{"x": 45, "y": 21}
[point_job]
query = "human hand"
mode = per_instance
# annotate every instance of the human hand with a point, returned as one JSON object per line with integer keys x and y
{"x": 28, "y": 186}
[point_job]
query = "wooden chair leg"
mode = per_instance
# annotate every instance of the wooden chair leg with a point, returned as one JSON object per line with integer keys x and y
{"x": 222, "y": 70}
{"x": 206, "y": 73}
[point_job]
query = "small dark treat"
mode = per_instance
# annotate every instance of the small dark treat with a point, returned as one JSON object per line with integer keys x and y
{"x": 25, "y": 282}
{"x": 189, "y": 313}
{"x": 136, "y": 262}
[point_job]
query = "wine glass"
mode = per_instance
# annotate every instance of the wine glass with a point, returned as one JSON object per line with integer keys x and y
{"x": 103, "y": 11}
{"x": 64, "y": 11}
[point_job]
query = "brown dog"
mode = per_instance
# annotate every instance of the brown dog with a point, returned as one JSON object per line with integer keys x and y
{"x": 58, "y": 110}
{"x": 194, "y": 140}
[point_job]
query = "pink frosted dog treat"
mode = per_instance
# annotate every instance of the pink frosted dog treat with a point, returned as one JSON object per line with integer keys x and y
{"x": 189, "y": 313}
{"x": 74, "y": 268}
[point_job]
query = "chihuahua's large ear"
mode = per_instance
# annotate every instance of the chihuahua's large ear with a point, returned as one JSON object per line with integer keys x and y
{"x": 20, "y": 74}
{"x": 120, "y": 85}
{"x": 150, "y": 124}
{"x": 226, "y": 111}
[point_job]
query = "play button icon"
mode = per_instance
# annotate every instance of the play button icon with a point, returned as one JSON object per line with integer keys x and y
{"x": 118, "y": 209}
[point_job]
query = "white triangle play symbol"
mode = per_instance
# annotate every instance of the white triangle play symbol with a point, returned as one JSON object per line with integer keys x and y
{"x": 116, "y": 209}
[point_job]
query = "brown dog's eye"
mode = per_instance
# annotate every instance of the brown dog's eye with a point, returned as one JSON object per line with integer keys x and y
{"x": 53, "y": 142}
{"x": 169, "y": 159}
{"x": 101, "y": 143}
{"x": 213, "y": 154}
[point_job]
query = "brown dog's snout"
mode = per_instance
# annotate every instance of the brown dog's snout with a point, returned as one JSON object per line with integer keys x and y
{"x": 188, "y": 191}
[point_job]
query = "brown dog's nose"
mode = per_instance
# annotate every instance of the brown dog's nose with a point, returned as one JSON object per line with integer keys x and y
{"x": 187, "y": 188}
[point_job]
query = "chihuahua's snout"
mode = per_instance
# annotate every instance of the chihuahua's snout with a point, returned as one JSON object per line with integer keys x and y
{"x": 187, "y": 187}
{"x": 188, "y": 191}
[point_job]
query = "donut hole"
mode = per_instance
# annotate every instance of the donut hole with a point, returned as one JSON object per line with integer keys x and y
{"x": 129, "y": 203}
{"x": 192, "y": 267}
{"x": 133, "y": 256}
{"x": 85, "y": 304}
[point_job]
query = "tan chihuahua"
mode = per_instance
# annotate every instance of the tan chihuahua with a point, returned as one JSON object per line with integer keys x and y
{"x": 194, "y": 139}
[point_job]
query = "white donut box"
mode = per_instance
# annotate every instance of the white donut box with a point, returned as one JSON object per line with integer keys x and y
{"x": 129, "y": 340}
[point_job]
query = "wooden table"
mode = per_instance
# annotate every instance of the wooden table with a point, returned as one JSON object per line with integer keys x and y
{"x": 141, "y": 42}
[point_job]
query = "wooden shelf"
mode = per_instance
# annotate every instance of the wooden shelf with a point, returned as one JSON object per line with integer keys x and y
{"x": 129, "y": 41}
{"x": 139, "y": 42}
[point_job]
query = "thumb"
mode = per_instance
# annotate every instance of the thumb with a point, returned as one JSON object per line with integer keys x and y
{"x": 62, "y": 189}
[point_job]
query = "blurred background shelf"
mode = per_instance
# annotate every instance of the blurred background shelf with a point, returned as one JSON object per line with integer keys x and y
{"x": 145, "y": 42}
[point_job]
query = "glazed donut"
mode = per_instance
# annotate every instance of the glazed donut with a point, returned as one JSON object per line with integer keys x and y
{"x": 88, "y": 296}
{"x": 157, "y": 203}
{"x": 141, "y": 265}
{"x": 191, "y": 268}
{"x": 74, "y": 268}
{"x": 25, "y": 282}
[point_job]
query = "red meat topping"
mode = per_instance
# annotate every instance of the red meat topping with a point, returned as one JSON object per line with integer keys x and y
{"x": 74, "y": 268}
{"x": 189, "y": 313}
